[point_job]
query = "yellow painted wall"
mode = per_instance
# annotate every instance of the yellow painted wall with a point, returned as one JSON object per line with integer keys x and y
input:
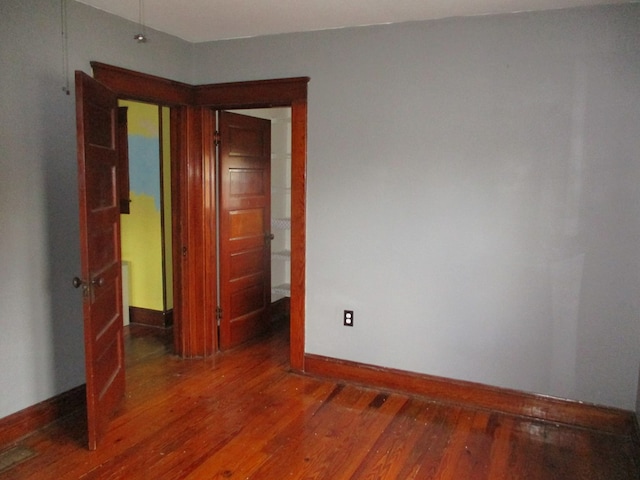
{"x": 141, "y": 229}
{"x": 142, "y": 248}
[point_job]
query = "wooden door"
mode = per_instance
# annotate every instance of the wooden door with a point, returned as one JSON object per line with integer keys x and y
{"x": 245, "y": 233}
{"x": 101, "y": 279}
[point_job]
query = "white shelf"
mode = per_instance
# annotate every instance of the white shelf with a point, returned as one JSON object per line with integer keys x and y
{"x": 281, "y": 223}
{"x": 284, "y": 289}
{"x": 281, "y": 291}
{"x": 282, "y": 255}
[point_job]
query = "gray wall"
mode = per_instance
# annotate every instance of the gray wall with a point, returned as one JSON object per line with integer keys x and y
{"x": 472, "y": 194}
{"x": 41, "y": 344}
{"x": 638, "y": 401}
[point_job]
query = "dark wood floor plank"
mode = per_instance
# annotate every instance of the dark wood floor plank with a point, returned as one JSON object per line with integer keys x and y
{"x": 501, "y": 447}
{"x": 455, "y": 450}
{"x": 397, "y": 445}
{"x": 429, "y": 451}
{"x": 255, "y": 415}
{"x": 348, "y": 451}
{"x": 471, "y": 450}
{"x": 612, "y": 458}
{"x": 308, "y": 445}
{"x": 248, "y": 452}
{"x": 243, "y": 415}
{"x": 526, "y": 457}
{"x": 187, "y": 441}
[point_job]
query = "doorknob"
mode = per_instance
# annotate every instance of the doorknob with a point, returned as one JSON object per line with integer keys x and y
{"x": 77, "y": 283}
{"x": 98, "y": 282}
{"x": 269, "y": 236}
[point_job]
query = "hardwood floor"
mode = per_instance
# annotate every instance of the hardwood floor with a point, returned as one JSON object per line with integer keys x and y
{"x": 244, "y": 415}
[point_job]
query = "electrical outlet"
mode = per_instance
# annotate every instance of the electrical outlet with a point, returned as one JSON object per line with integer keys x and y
{"x": 347, "y": 318}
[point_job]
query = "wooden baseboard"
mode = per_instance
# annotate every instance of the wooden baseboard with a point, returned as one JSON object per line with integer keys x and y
{"x": 540, "y": 407}
{"x": 606, "y": 419}
{"x": 24, "y": 422}
{"x": 151, "y": 318}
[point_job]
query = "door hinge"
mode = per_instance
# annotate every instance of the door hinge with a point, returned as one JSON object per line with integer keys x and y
{"x": 216, "y": 138}
{"x": 219, "y": 313}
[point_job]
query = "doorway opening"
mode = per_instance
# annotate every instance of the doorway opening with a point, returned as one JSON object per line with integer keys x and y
{"x": 146, "y": 225}
{"x": 193, "y": 201}
{"x": 193, "y": 207}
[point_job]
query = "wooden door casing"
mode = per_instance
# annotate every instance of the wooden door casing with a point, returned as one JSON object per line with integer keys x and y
{"x": 193, "y": 312}
{"x": 245, "y": 216}
{"x": 101, "y": 278}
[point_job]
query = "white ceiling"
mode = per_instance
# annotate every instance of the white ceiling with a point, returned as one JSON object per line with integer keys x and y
{"x": 205, "y": 20}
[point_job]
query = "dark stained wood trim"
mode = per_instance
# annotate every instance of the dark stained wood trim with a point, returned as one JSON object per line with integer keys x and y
{"x": 253, "y": 94}
{"x": 195, "y": 325}
{"x": 178, "y": 205}
{"x": 168, "y": 318}
{"x": 209, "y": 206}
{"x": 298, "y": 232}
{"x": 24, "y": 422}
{"x": 163, "y": 205}
{"x": 555, "y": 410}
{"x": 280, "y": 92}
{"x": 129, "y": 84}
{"x": 199, "y": 330}
{"x": 141, "y": 86}
{"x": 152, "y": 318}
{"x": 123, "y": 161}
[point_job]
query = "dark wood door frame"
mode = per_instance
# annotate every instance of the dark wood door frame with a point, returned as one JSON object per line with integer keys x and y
{"x": 193, "y": 187}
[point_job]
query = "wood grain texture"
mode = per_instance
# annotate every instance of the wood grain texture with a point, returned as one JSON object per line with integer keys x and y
{"x": 14, "y": 427}
{"x": 192, "y": 166}
{"x": 252, "y": 94}
{"x": 122, "y": 169}
{"x": 141, "y": 86}
{"x": 610, "y": 420}
{"x": 101, "y": 265}
{"x": 198, "y": 323}
{"x": 244, "y": 414}
{"x": 298, "y": 232}
{"x": 244, "y": 207}
{"x": 178, "y": 206}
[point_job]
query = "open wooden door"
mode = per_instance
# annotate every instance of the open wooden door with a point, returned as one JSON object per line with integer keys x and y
{"x": 245, "y": 227}
{"x": 101, "y": 279}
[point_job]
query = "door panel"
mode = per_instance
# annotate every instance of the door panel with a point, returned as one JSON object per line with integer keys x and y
{"x": 245, "y": 212}
{"x": 246, "y": 262}
{"x": 246, "y": 182}
{"x": 96, "y": 120}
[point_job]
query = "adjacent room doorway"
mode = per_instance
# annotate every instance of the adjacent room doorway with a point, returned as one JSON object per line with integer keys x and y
{"x": 193, "y": 189}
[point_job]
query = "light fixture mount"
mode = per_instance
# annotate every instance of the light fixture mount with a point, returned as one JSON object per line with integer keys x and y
{"x": 142, "y": 36}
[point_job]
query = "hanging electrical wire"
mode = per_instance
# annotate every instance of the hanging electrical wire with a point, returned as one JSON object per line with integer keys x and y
{"x": 65, "y": 46}
{"x": 142, "y": 36}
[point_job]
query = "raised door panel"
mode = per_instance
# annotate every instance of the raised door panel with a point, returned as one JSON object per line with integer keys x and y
{"x": 245, "y": 268}
{"x": 96, "y": 118}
